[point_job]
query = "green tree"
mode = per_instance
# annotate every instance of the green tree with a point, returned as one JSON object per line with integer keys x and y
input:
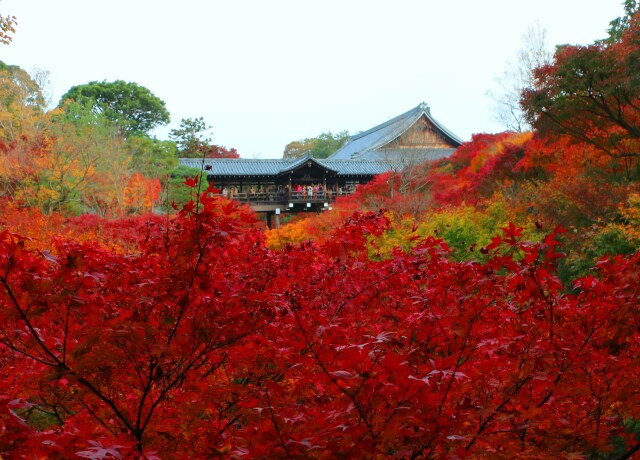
{"x": 152, "y": 157}
{"x": 85, "y": 164}
{"x": 297, "y": 149}
{"x": 318, "y": 147}
{"x": 619, "y": 25}
{"x": 133, "y": 108}
{"x": 191, "y": 137}
{"x": 175, "y": 191}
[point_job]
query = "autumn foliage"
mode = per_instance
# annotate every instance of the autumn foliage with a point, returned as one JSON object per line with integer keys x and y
{"x": 482, "y": 306}
{"x": 590, "y": 93}
{"x": 201, "y": 342}
{"x": 478, "y": 168}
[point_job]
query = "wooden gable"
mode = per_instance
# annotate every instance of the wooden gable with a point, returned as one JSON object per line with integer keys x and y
{"x": 422, "y": 134}
{"x": 309, "y": 171}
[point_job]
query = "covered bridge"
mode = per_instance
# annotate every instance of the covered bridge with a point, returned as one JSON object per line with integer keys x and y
{"x": 274, "y": 186}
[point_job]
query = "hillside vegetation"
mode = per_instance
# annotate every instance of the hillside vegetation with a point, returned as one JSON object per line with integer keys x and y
{"x": 483, "y": 306}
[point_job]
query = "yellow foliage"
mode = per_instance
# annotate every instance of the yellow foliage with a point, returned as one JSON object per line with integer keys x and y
{"x": 465, "y": 229}
{"x": 628, "y": 222}
{"x": 293, "y": 233}
{"x": 313, "y": 227}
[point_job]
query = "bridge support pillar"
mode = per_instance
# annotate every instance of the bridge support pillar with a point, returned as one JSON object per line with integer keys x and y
{"x": 273, "y": 219}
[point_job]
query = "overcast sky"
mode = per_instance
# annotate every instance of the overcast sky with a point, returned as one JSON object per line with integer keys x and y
{"x": 265, "y": 73}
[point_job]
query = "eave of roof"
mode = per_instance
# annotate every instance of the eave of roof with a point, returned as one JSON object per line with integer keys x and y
{"x": 237, "y": 166}
{"x": 225, "y": 167}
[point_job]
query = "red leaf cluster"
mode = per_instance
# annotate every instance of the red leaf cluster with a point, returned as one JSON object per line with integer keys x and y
{"x": 203, "y": 343}
{"x": 478, "y": 168}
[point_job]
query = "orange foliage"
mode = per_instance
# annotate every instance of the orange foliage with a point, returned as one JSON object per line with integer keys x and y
{"x": 117, "y": 235}
{"x": 311, "y": 227}
{"x": 141, "y": 193}
{"x": 561, "y": 155}
{"x": 20, "y": 161}
{"x": 478, "y": 168}
{"x": 39, "y": 229}
{"x": 58, "y": 174}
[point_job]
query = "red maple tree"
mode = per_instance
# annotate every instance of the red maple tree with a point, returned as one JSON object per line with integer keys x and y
{"x": 200, "y": 342}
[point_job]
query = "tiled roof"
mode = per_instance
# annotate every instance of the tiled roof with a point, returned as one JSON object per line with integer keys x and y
{"x": 239, "y": 166}
{"x": 275, "y": 167}
{"x": 408, "y": 155}
{"x": 358, "y": 167}
{"x": 362, "y": 145}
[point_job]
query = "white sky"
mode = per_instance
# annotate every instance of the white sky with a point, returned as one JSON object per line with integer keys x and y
{"x": 267, "y": 72}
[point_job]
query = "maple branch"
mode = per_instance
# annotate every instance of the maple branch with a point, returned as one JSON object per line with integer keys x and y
{"x": 435, "y": 316}
{"x": 9, "y": 344}
{"x": 180, "y": 376}
{"x": 185, "y": 298}
{"x": 360, "y": 292}
{"x": 145, "y": 393}
{"x": 366, "y": 376}
{"x": 275, "y": 423}
{"x": 62, "y": 365}
{"x": 333, "y": 380}
{"x": 30, "y": 326}
{"x": 487, "y": 422}
{"x": 66, "y": 334}
{"x": 104, "y": 398}
{"x": 457, "y": 366}
{"x": 581, "y": 135}
{"x": 566, "y": 365}
{"x": 96, "y": 416}
{"x": 547, "y": 301}
{"x": 200, "y": 247}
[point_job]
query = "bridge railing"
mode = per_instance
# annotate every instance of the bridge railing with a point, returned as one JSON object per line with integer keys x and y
{"x": 291, "y": 197}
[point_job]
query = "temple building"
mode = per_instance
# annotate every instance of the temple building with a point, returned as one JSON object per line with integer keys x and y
{"x": 414, "y": 136}
{"x": 275, "y": 186}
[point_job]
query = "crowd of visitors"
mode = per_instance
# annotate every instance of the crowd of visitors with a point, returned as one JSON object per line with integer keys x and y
{"x": 283, "y": 193}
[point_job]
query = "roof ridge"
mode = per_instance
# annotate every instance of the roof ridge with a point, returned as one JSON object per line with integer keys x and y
{"x": 418, "y": 108}
{"x": 281, "y": 160}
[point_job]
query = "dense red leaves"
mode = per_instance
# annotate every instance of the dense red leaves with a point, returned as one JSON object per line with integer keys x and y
{"x": 478, "y": 168}
{"x": 218, "y": 151}
{"x": 203, "y": 343}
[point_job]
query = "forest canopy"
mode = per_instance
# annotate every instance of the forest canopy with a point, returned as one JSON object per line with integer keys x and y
{"x": 483, "y": 305}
